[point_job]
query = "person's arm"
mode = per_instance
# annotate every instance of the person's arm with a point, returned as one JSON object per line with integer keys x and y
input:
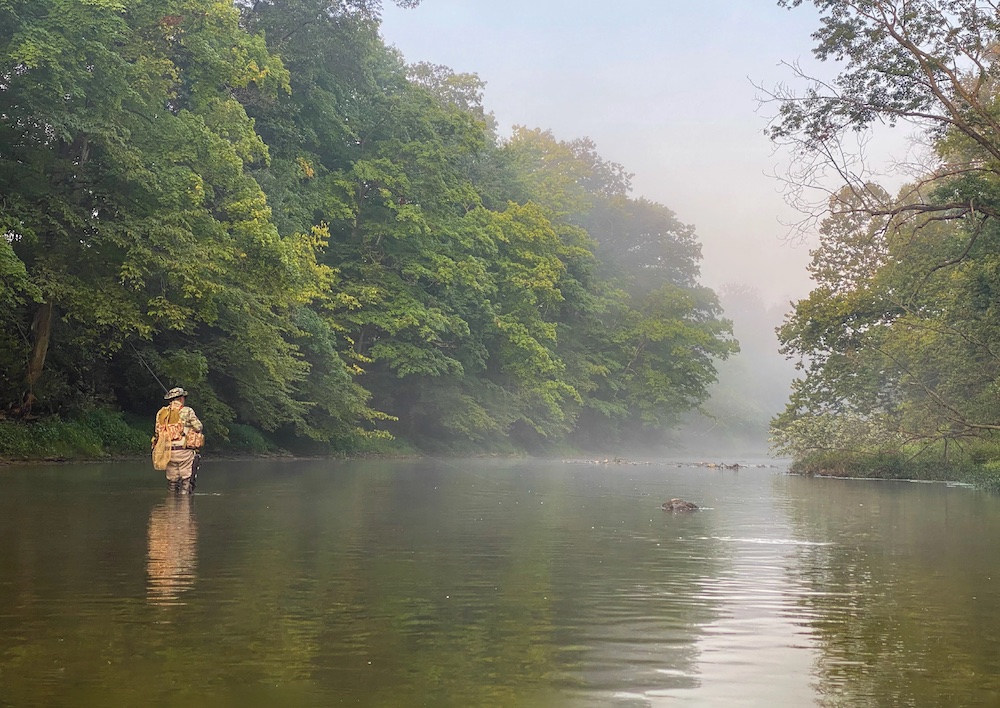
{"x": 190, "y": 419}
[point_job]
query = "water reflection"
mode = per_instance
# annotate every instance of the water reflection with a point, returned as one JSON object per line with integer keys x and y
{"x": 903, "y": 599}
{"x": 637, "y": 616}
{"x": 172, "y": 556}
{"x": 518, "y": 583}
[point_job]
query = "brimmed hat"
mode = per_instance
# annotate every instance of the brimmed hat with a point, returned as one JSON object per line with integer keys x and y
{"x": 173, "y": 393}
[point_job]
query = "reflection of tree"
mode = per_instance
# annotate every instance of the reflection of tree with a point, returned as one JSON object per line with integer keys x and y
{"x": 173, "y": 550}
{"x": 902, "y": 599}
{"x": 386, "y": 583}
{"x": 504, "y": 599}
{"x": 416, "y": 584}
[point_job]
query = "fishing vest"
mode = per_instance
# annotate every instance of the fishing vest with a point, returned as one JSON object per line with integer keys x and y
{"x": 168, "y": 423}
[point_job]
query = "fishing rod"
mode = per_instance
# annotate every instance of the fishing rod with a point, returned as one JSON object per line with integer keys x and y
{"x": 143, "y": 361}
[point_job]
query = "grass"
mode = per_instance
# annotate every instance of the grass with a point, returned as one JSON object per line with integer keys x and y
{"x": 104, "y": 434}
{"x": 99, "y": 434}
{"x": 969, "y": 468}
{"x": 247, "y": 440}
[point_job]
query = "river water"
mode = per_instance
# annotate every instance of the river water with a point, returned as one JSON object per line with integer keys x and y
{"x": 493, "y": 583}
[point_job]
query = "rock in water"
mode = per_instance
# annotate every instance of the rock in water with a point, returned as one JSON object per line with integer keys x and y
{"x": 678, "y": 505}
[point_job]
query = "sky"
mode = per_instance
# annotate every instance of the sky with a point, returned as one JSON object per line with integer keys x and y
{"x": 664, "y": 87}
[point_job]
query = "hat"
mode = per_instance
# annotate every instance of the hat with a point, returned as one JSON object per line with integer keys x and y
{"x": 175, "y": 392}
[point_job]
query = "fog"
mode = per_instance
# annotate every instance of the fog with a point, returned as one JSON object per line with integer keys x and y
{"x": 672, "y": 91}
{"x": 666, "y": 89}
{"x": 752, "y": 386}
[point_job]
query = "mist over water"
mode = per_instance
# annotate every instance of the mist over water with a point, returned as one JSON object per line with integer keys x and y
{"x": 752, "y": 387}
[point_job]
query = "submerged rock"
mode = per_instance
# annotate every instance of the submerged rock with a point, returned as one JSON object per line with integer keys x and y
{"x": 678, "y": 505}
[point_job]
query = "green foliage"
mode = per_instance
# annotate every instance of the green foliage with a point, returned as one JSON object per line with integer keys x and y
{"x": 248, "y": 441}
{"x": 898, "y": 341}
{"x": 260, "y": 202}
{"x": 115, "y": 434}
{"x": 986, "y": 476}
{"x": 97, "y": 434}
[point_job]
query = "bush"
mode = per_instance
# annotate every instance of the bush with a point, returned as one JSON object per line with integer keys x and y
{"x": 116, "y": 436}
{"x": 985, "y": 476}
{"x": 984, "y": 451}
{"x": 928, "y": 464}
{"x": 46, "y": 439}
{"x": 98, "y": 433}
{"x": 247, "y": 440}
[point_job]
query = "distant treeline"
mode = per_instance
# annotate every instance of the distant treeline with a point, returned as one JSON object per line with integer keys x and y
{"x": 263, "y": 203}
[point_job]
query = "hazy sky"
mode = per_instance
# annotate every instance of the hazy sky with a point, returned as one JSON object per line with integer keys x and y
{"x": 664, "y": 87}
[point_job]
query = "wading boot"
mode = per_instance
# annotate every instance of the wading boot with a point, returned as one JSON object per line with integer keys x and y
{"x": 187, "y": 485}
{"x": 174, "y": 485}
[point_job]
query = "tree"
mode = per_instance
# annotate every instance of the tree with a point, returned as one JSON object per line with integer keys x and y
{"x": 898, "y": 345}
{"x": 896, "y": 339}
{"x": 644, "y": 242}
{"x": 263, "y": 202}
{"x": 929, "y": 64}
{"x": 464, "y": 91}
{"x": 129, "y": 203}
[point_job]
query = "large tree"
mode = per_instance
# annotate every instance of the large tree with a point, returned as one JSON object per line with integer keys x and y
{"x": 897, "y": 340}
{"x": 263, "y": 202}
{"x": 929, "y": 65}
{"x": 128, "y": 202}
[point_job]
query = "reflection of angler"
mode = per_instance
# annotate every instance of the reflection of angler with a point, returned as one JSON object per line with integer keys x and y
{"x": 172, "y": 556}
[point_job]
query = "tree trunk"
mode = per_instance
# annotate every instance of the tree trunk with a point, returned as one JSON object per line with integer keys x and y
{"x": 41, "y": 329}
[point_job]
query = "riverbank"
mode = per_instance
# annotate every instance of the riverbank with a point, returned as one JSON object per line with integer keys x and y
{"x": 99, "y": 435}
{"x": 981, "y": 473}
{"x": 110, "y": 435}
{"x": 104, "y": 435}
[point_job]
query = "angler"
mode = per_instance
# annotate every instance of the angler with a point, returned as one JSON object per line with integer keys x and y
{"x": 179, "y": 431}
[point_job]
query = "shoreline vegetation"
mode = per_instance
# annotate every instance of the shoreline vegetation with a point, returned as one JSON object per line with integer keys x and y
{"x": 896, "y": 344}
{"x": 973, "y": 468}
{"x": 267, "y": 205}
{"x": 105, "y": 435}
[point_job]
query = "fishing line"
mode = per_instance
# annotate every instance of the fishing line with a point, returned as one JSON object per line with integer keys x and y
{"x": 147, "y": 367}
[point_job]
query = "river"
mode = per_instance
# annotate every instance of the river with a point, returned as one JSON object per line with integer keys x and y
{"x": 493, "y": 583}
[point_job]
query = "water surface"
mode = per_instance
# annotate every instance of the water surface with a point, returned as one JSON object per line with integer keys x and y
{"x": 493, "y": 583}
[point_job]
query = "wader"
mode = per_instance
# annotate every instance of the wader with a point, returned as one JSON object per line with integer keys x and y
{"x": 182, "y": 470}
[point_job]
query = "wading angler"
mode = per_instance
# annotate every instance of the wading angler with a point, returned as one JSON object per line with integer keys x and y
{"x": 176, "y": 440}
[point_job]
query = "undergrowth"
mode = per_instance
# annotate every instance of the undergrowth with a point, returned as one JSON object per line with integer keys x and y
{"x": 969, "y": 468}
